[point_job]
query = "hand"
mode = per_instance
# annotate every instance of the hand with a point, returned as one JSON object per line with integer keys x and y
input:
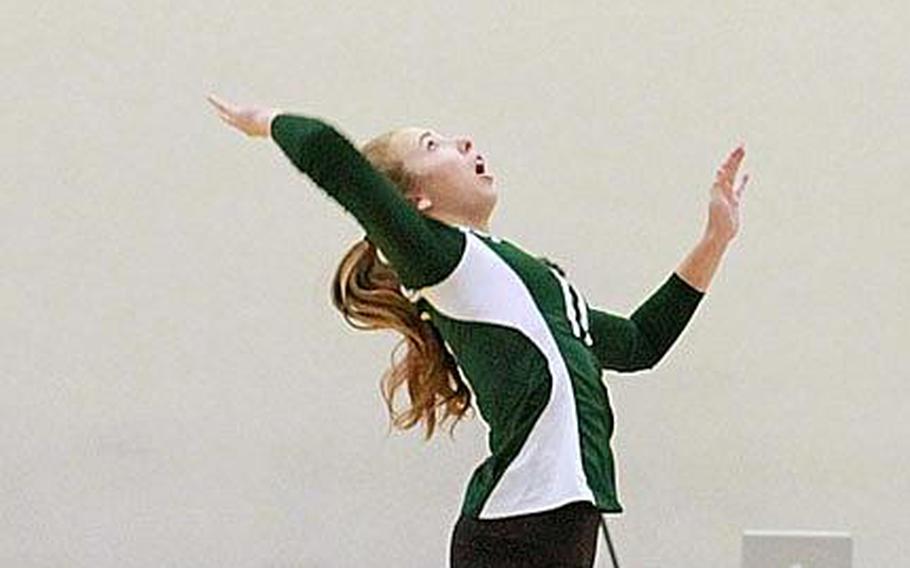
{"x": 723, "y": 211}
{"x": 253, "y": 121}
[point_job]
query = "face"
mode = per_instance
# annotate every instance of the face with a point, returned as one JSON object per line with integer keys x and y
{"x": 453, "y": 180}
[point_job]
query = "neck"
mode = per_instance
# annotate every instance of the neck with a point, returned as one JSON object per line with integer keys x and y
{"x": 482, "y": 224}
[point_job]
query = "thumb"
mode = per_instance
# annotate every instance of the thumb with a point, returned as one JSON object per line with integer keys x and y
{"x": 742, "y": 186}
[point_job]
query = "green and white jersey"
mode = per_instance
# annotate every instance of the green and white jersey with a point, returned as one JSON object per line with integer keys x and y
{"x": 524, "y": 337}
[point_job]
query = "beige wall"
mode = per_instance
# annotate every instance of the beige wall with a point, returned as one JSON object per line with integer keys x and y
{"x": 173, "y": 392}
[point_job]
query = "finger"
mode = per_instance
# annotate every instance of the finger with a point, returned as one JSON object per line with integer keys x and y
{"x": 723, "y": 172}
{"x": 742, "y": 186}
{"x": 722, "y": 181}
{"x": 732, "y": 163}
{"x": 224, "y": 115}
{"x": 222, "y": 105}
{"x": 727, "y": 172}
{"x": 736, "y": 158}
{"x": 214, "y": 100}
{"x": 736, "y": 197}
{"x": 227, "y": 118}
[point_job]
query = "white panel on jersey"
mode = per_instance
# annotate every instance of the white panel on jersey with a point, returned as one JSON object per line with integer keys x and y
{"x": 547, "y": 472}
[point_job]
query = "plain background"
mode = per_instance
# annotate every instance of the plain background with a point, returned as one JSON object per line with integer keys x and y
{"x": 176, "y": 389}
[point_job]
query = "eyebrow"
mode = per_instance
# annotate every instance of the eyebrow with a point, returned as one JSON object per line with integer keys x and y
{"x": 420, "y": 139}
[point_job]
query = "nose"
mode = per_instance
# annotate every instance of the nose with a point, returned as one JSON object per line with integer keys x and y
{"x": 464, "y": 144}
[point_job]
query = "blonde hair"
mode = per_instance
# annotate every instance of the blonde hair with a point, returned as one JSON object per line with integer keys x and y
{"x": 368, "y": 294}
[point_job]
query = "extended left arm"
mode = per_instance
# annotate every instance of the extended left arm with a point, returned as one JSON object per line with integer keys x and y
{"x": 641, "y": 340}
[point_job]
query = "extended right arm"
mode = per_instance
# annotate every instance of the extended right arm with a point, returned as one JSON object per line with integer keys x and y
{"x": 421, "y": 249}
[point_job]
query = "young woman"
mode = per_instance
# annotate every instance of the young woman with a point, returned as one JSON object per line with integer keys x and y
{"x": 472, "y": 306}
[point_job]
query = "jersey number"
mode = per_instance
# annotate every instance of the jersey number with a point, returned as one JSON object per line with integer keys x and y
{"x": 576, "y": 307}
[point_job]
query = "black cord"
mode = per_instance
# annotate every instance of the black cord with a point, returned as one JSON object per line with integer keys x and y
{"x": 609, "y": 542}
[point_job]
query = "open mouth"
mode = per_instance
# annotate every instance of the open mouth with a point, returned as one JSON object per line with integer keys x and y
{"x": 480, "y": 167}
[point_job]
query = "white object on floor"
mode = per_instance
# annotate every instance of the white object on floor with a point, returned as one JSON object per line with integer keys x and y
{"x": 796, "y": 549}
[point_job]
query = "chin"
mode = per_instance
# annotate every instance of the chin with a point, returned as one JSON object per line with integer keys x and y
{"x": 487, "y": 185}
{"x": 491, "y": 203}
{"x": 493, "y": 195}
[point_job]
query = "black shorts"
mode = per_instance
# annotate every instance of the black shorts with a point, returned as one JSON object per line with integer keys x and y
{"x": 565, "y": 537}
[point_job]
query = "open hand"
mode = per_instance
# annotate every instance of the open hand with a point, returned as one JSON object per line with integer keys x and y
{"x": 251, "y": 120}
{"x": 723, "y": 211}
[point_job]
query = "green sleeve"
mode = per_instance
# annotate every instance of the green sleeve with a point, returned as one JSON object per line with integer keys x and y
{"x": 422, "y": 250}
{"x": 640, "y": 341}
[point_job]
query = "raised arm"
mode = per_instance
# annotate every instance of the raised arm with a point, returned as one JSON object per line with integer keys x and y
{"x": 421, "y": 249}
{"x": 641, "y": 340}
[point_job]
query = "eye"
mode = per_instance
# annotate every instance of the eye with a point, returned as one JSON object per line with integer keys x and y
{"x": 431, "y": 144}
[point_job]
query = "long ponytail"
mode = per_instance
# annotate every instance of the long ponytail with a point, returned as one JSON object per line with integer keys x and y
{"x": 368, "y": 294}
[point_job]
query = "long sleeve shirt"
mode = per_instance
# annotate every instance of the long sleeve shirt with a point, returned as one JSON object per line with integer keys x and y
{"x": 525, "y": 339}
